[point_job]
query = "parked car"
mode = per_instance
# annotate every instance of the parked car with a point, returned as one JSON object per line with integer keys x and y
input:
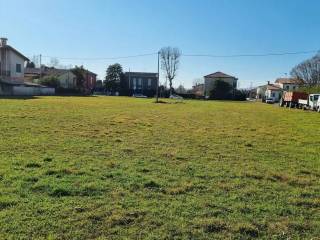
{"x": 139, "y": 95}
{"x": 173, "y": 96}
{"x": 270, "y": 100}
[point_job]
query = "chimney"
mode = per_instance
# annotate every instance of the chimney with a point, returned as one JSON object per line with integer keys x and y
{"x": 268, "y": 82}
{"x": 3, "y": 42}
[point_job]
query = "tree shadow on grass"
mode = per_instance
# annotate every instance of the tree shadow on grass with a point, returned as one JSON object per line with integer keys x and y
{"x": 19, "y": 97}
{"x": 164, "y": 102}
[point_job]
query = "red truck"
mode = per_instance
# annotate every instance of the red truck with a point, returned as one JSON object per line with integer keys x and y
{"x": 291, "y": 99}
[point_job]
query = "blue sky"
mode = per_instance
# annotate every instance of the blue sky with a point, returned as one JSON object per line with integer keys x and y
{"x": 111, "y": 28}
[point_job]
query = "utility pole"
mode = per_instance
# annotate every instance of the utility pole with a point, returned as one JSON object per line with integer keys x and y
{"x": 40, "y": 66}
{"x": 318, "y": 72}
{"x": 157, "y": 92}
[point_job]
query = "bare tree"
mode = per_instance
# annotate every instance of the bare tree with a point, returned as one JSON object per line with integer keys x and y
{"x": 54, "y": 62}
{"x": 170, "y": 59}
{"x": 197, "y": 81}
{"x": 308, "y": 70}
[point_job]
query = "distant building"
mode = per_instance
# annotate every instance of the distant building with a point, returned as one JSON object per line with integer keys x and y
{"x": 90, "y": 81}
{"x": 289, "y": 84}
{"x": 198, "y": 90}
{"x": 210, "y": 79}
{"x": 67, "y": 79}
{"x": 273, "y": 91}
{"x": 261, "y": 92}
{"x": 139, "y": 83}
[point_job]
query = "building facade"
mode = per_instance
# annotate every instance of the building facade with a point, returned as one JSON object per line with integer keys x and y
{"x": 139, "y": 83}
{"x": 289, "y": 84}
{"x": 210, "y": 79}
{"x": 12, "y": 62}
{"x": 67, "y": 79}
{"x": 273, "y": 92}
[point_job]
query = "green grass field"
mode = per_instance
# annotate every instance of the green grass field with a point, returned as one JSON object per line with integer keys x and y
{"x": 123, "y": 168}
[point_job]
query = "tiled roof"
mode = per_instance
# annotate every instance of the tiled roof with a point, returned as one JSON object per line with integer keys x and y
{"x": 219, "y": 75}
{"x": 46, "y": 71}
{"x": 273, "y": 87}
{"x": 289, "y": 81}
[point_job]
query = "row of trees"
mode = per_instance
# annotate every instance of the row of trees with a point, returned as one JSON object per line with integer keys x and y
{"x": 308, "y": 70}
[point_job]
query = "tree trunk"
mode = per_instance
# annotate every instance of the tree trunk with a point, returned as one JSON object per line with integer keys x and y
{"x": 170, "y": 85}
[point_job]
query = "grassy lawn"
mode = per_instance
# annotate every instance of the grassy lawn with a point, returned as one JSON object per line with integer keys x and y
{"x": 123, "y": 168}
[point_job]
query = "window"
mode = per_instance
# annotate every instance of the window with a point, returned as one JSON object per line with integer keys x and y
{"x": 140, "y": 83}
{"x": 287, "y": 87}
{"x": 294, "y": 88}
{"x": 149, "y": 83}
{"x": 18, "y": 68}
{"x": 273, "y": 94}
{"x": 134, "y": 83}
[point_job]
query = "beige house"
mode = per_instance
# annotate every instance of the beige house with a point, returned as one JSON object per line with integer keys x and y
{"x": 211, "y": 78}
{"x": 289, "y": 84}
{"x": 67, "y": 79}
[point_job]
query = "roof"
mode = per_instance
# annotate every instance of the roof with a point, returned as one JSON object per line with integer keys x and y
{"x": 273, "y": 87}
{"x": 46, "y": 71}
{"x": 219, "y": 75}
{"x": 142, "y": 74}
{"x": 289, "y": 81}
{"x": 92, "y": 73}
{"x": 8, "y": 47}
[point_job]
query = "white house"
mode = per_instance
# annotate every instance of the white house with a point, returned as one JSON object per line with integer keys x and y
{"x": 12, "y": 67}
{"x": 12, "y": 62}
{"x": 210, "y": 79}
{"x": 261, "y": 92}
{"x": 273, "y": 91}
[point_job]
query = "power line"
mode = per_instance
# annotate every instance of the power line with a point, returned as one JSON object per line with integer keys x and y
{"x": 250, "y": 55}
{"x": 184, "y": 55}
{"x": 102, "y": 58}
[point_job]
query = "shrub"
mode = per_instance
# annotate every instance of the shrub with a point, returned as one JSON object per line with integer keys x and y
{"x": 221, "y": 90}
{"x": 50, "y": 81}
{"x": 240, "y": 95}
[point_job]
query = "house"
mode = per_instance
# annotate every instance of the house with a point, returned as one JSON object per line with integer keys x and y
{"x": 67, "y": 79}
{"x": 273, "y": 91}
{"x": 90, "y": 81}
{"x": 12, "y": 62}
{"x": 261, "y": 92}
{"x": 210, "y": 79}
{"x": 12, "y": 69}
{"x": 289, "y": 84}
{"x": 139, "y": 83}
